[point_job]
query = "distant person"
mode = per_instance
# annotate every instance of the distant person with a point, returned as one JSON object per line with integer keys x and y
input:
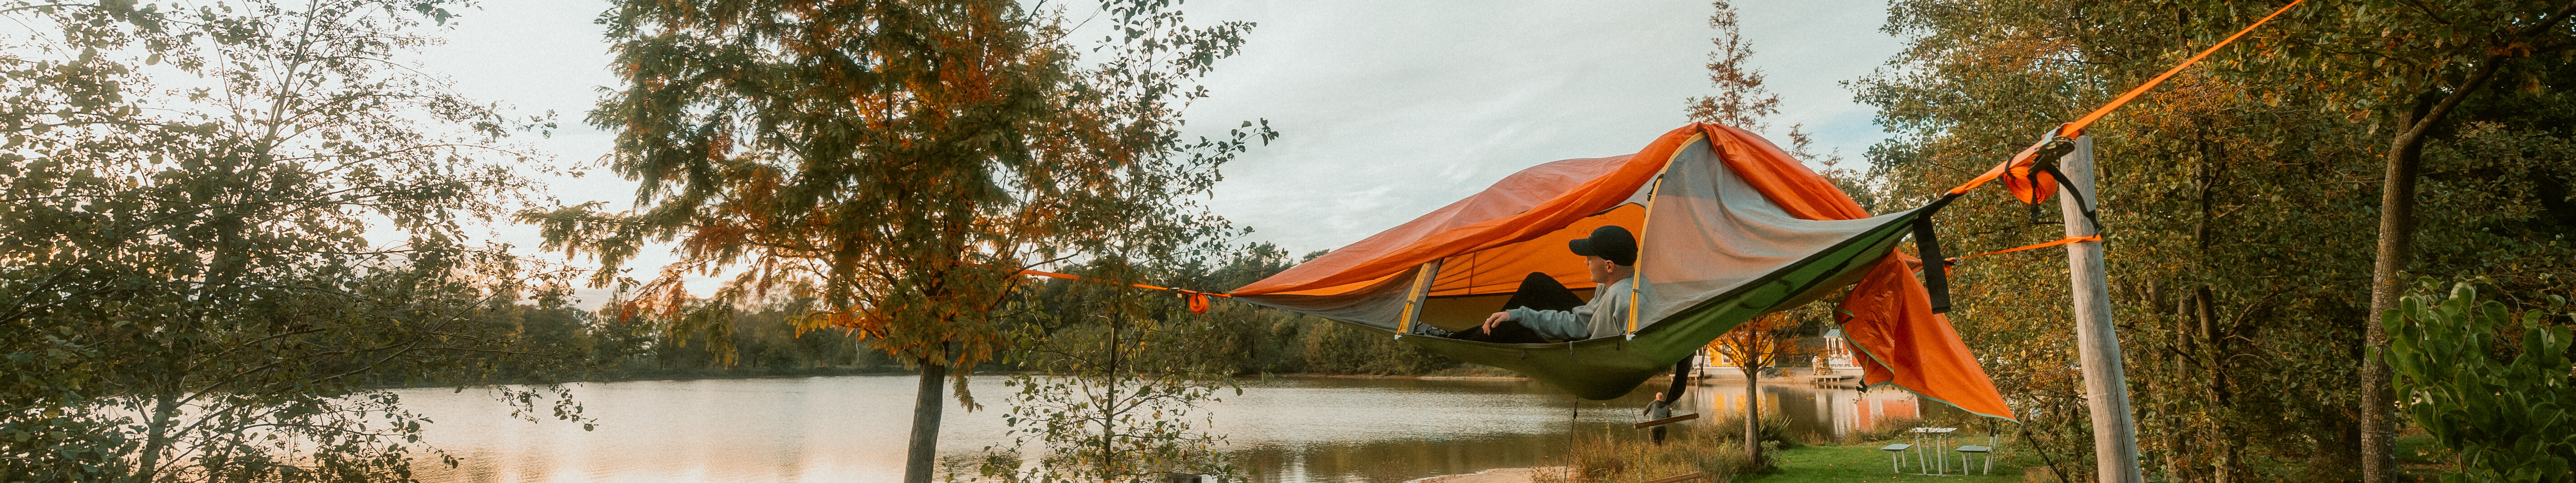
{"x": 1544, "y": 311}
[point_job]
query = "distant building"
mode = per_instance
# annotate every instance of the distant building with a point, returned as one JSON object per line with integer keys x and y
{"x": 1836, "y": 356}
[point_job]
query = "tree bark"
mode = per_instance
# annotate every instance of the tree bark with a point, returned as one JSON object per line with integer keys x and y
{"x": 926, "y": 406}
{"x": 2396, "y": 246}
{"x": 158, "y": 441}
{"x": 2211, "y": 344}
{"x": 1752, "y": 413}
{"x": 2396, "y": 235}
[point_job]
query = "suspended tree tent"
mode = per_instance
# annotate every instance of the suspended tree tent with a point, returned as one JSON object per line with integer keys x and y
{"x": 1729, "y": 227}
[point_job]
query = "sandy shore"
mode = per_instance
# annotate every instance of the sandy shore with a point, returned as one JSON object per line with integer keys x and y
{"x": 1497, "y": 475}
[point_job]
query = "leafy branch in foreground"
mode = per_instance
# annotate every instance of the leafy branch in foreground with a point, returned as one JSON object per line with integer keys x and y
{"x": 187, "y": 284}
{"x": 2503, "y": 399}
{"x": 1119, "y": 384}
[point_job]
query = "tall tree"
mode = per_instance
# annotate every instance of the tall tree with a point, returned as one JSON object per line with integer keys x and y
{"x": 2425, "y": 64}
{"x": 894, "y": 162}
{"x": 1741, "y": 101}
{"x": 192, "y": 291}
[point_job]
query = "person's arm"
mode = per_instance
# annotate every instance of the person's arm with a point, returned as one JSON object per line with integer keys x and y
{"x": 1556, "y": 324}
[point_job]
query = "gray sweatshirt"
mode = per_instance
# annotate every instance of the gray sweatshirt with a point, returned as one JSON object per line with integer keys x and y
{"x": 1605, "y": 316}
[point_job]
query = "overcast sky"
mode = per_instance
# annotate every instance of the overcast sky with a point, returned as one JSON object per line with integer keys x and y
{"x": 1386, "y": 109}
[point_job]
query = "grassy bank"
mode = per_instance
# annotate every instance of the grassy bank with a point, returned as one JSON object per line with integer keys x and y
{"x": 1716, "y": 449}
{"x": 1865, "y": 462}
{"x": 1615, "y": 459}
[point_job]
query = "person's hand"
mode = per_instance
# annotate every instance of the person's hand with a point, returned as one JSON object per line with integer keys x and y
{"x": 1497, "y": 319}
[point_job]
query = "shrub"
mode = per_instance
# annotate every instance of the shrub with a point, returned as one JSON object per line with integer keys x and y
{"x": 2502, "y": 403}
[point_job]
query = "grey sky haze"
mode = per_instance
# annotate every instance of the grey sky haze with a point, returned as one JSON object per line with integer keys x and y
{"x": 1387, "y": 109}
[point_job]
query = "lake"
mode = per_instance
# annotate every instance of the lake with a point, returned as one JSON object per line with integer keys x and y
{"x": 853, "y": 428}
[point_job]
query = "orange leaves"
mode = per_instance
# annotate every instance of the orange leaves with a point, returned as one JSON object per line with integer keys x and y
{"x": 857, "y": 322}
{"x": 874, "y": 159}
{"x": 1756, "y": 343}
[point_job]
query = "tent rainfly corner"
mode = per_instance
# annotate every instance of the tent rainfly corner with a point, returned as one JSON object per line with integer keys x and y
{"x": 1729, "y": 228}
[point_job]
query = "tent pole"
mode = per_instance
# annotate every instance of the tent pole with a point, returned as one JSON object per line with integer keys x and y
{"x": 2115, "y": 435}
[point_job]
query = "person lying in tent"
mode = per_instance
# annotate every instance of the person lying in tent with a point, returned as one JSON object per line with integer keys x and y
{"x": 1543, "y": 311}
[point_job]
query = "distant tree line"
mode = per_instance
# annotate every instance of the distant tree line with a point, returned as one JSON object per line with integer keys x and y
{"x": 1245, "y": 339}
{"x": 1231, "y": 338}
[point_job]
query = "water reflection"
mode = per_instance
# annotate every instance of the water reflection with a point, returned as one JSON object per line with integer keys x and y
{"x": 1815, "y": 412}
{"x": 1288, "y": 430}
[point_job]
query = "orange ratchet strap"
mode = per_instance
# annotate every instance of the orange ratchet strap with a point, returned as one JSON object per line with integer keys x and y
{"x": 1197, "y": 300}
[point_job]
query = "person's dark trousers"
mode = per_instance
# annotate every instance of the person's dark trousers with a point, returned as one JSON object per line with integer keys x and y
{"x": 1538, "y": 292}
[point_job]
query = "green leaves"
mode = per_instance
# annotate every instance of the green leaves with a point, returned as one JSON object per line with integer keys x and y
{"x": 2493, "y": 385}
{"x": 158, "y": 310}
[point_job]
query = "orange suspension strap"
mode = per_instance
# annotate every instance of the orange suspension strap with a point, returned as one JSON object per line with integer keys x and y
{"x": 2063, "y": 139}
{"x": 1196, "y": 300}
{"x": 1947, "y": 263}
{"x": 2032, "y": 174}
{"x": 2076, "y": 129}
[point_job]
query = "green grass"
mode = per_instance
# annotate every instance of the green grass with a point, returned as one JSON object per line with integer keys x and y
{"x": 1866, "y": 463}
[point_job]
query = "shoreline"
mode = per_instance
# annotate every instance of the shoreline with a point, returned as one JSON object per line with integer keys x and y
{"x": 1496, "y": 475}
{"x": 854, "y": 373}
{"x": 1374, "y": 376}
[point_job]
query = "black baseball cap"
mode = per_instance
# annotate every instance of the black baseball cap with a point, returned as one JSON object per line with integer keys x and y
{"x": 1610, "y": 242}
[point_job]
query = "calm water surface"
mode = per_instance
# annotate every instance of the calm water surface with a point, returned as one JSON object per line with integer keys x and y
{"x": 853, "y": 428}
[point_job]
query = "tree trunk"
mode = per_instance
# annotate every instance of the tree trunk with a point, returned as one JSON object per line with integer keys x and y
{"x": 2211, "y": 344}
{"x": 1106, "y": 463}
{"x": 926, "y": 406}
{"x": 2396, "y": 239}
{"x": 2396, "y": 234}
{"x": 159, "y": 439}
{"x": 2396, "y": 247}
{"x": 1752, "y": 413}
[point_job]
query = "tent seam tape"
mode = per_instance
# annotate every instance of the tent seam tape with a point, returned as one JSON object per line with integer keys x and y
{"x": 1636, "y": 278}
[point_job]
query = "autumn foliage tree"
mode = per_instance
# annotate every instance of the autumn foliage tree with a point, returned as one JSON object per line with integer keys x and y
{"x": 1751, "y": 347}
{"x": 891, "y": 164}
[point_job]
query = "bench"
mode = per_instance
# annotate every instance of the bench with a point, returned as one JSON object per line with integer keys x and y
{"x": 1896, "y": 456}
{"x": 1987, "y": 451}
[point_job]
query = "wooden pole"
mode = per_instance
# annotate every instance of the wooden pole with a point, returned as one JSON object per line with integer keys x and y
{"x": 2115, "y": 436}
